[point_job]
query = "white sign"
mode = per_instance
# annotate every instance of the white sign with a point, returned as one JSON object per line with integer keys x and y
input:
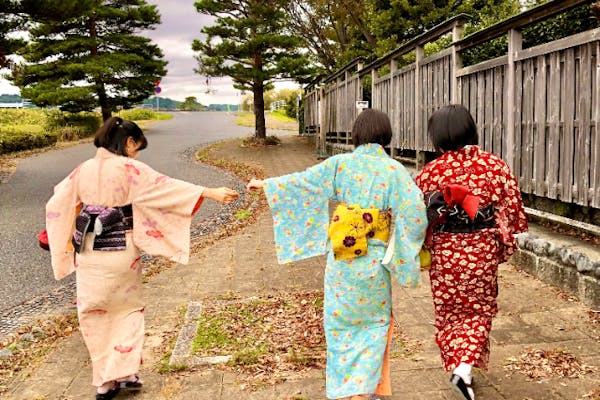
{"x": 360, "y": 104}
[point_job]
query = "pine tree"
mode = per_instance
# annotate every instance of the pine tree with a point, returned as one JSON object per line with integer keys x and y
{"x": 249, "y": 42}
{"x": 9, "y": 21}
{"x": 87, "y": 53}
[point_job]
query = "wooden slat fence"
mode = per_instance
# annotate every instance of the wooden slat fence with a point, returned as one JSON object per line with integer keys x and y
{"x": 537, "y": 108}
{"x": 311, "y": 112}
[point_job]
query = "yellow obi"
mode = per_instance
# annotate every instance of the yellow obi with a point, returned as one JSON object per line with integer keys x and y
{"x": 352, "y": 225}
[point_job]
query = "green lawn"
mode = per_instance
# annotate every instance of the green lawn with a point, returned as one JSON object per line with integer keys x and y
{"x": 273, "y": 119}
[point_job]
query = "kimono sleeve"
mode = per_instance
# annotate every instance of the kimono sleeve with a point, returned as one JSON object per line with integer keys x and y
{"x": 299, "y": 203}
{"x": 61, "y": 210}
{"x": 162, "y": 211}
{"x": 410, "y": 224}
{"x": 509, "y": 212}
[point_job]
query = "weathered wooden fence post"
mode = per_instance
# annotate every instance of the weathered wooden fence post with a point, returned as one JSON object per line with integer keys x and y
{"x": 513, "y": 124}
{"x": 393, "y": 101}
{"x": 420, "y": 154}
{"x": 322, "y": 152}
{"x": 456, "y": 63}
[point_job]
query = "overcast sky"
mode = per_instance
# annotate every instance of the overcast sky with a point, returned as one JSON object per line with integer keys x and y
{"x": 180, "y": 25}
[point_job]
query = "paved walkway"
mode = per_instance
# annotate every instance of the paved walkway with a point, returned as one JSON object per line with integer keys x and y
{"x": 533, "y": 315}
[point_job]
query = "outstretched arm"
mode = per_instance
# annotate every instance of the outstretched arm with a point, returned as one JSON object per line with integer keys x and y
{"x": 222, "y": 194}
{"x": 255, "y": 184}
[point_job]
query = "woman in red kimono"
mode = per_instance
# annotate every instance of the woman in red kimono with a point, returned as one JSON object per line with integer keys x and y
{"x": 474, "y": 207}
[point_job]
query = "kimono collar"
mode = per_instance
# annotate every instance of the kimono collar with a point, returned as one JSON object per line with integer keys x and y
{"x": 465, "y": 153}
{"x": 371, "y": 149}
{"x": 103, "y": 153}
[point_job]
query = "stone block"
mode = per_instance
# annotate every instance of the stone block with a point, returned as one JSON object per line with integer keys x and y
{"x": 525, "y": 260}
{"x": 569, "y": 279}
{"x": 548, "y": 271}
{"x": 589, "y": 291}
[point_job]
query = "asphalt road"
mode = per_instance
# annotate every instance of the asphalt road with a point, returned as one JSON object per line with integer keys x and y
{"x": 25, "y": 270}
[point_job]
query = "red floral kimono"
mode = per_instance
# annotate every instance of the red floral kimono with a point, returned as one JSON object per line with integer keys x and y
{"x": 469, "y": 235}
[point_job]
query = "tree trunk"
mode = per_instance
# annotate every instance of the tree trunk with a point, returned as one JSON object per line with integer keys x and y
{"x": 259, "y": 111}
{"x": 100, "y": 90}
{"x": 103, "y": 100}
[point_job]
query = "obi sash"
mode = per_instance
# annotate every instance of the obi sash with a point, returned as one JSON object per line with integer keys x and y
{"x": 109, "y": 225}
{"x": 456, "y": 210}
{"x": 351, "y": 227}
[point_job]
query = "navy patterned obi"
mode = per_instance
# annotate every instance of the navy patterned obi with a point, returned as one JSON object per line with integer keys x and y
{"x": 447, "y": 214}
{"x": 109, "y": 225}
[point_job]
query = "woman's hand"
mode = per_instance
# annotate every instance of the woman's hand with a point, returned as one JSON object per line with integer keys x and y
{"x": 222, "y": 194}
{"x": 255, "y": 184}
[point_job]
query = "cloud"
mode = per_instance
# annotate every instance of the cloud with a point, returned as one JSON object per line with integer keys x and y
{"x": 180, "y": 25}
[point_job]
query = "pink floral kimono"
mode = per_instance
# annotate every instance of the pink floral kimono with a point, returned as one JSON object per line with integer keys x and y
{"x": 109, "y": 288}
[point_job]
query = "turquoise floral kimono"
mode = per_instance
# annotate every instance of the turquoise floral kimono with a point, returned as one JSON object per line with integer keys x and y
{"x": 357, "y": 309}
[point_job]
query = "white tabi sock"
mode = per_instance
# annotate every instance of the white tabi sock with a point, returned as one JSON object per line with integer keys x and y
{"x": 464, "y": 371}
{"x": 105, "y": 388}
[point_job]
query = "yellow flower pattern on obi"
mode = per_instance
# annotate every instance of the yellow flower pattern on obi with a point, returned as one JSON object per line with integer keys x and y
{"x": 351, "y": 227}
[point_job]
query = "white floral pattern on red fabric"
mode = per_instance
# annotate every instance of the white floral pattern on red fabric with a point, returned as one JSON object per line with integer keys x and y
{"x": 464, "y": 268}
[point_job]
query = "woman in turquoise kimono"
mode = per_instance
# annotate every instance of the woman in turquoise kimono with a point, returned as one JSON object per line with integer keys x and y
{"x": 375, "y": 235}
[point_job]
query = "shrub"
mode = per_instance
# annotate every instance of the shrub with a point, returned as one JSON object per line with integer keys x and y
{"x": 140, "y": 114}
{"x": 25, "y": 129}
{"x": 24, "y": 137}
{"x": 72, "y": 126}
{"x": 21, "y": 117}
{"x": 29, "y": 129}
{"x": 137, "y": 114}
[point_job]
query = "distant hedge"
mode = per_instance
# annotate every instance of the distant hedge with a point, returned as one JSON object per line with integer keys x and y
{"x": 24, "y": 137}
{"x": 142, "y": 114}
{"x": 29, "y": 129}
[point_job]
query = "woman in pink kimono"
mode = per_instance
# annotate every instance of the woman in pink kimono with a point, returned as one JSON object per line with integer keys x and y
{"x": 99, "y": 218}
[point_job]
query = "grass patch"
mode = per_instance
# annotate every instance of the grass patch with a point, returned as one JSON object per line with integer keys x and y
{"x": 245, "y": 119}
{"x": 281, "y": 116}
{"x": 243, "y": 214}
{"x": 276, "y": 120}
{"x": 250, "y": 356}
{"x": 268, "y": 337}
{"x": 243, "y": 171}
{"x": 210, "y": 336}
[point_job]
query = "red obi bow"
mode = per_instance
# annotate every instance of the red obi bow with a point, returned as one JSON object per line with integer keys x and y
{"x": 459, "y": 195}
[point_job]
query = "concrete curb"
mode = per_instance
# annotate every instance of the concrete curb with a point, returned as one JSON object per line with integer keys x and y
{"x": 568, "y": 222}
{"x": 560, "y": 265}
